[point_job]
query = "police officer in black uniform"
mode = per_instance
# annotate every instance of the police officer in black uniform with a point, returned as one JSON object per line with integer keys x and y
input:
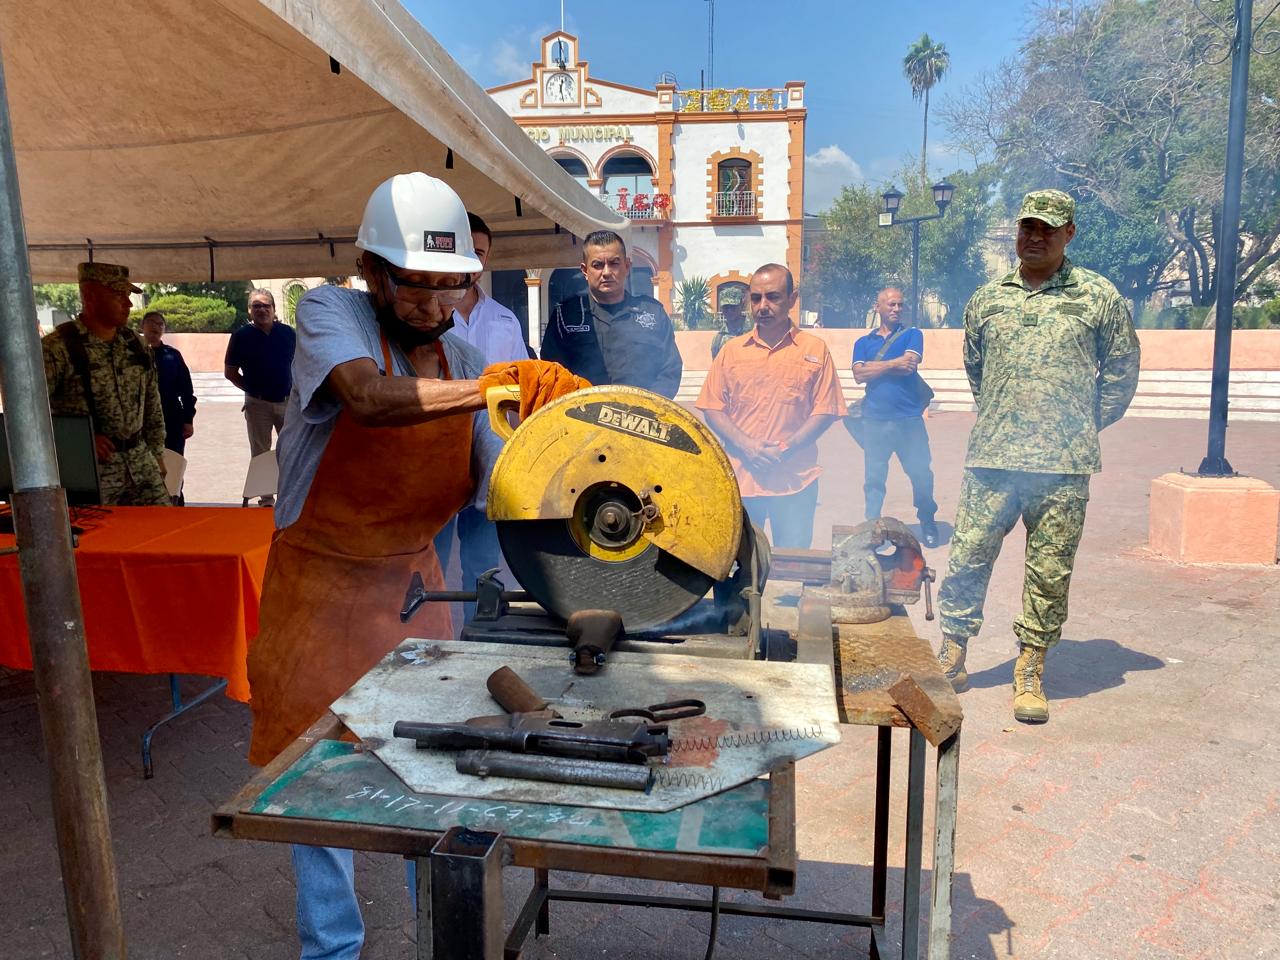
{"x": 611, "y": 336}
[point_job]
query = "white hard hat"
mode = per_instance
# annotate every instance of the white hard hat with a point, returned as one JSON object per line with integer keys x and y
{"x": 416, "y": 222}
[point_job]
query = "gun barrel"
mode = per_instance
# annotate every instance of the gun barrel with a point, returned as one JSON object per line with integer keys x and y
{"x": 591, "y": 773}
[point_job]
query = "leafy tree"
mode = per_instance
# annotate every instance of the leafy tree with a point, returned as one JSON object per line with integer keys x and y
{"x": 60, "y": 296}
{"x": 234, "y": 292}
{"x": 1118, "y": 103}
{"x": 692, "y": 298}
{"x": 855, "y": 258}
{"x": 924, "y": 66}
{"x": 188, "y": 314}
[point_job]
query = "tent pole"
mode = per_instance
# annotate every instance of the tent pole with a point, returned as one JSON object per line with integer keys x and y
{"x": 64, "y": 688}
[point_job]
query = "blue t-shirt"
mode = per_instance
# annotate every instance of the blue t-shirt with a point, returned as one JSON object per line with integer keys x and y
{"x": 336, "y": 325}
{"x": 889, "y": 397}
{"x": 264, "y": 359}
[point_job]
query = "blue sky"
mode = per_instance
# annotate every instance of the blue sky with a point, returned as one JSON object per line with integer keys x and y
{"x": 862, "y": 121}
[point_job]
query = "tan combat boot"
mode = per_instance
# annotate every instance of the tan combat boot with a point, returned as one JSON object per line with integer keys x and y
{"x": 1029, "y": 703}
{"x": 951, "y": 659}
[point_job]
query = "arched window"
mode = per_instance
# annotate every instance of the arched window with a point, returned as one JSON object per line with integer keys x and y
{"x": 575, "y": 168}
{"x": 626, "y": 176}
{"x": 735, "y": 191}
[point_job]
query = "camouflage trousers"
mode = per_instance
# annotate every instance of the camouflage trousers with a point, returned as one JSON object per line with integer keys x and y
{"x": 1052, "y": 507}
{"x": 132, "y": 479}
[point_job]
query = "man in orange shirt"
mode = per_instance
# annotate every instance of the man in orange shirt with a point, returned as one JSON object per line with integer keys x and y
{"x": 769, "y": 396}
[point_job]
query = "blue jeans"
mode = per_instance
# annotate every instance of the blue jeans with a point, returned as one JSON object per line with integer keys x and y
{"x": 790, "y": 517}
{"x": 908, "y": 439}
{"x": 329, "y": 923}
{"x": 478, "y": 548}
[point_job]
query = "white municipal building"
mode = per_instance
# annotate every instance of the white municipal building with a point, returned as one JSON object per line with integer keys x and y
{"x": 712, "y": 180}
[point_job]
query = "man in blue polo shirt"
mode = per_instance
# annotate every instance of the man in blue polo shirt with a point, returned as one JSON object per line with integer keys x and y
{"x": 259, "y": 361}
{"x": 892, "y": 411}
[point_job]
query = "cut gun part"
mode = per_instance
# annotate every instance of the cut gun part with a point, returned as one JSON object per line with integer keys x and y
{"x": 589, "y": 773}
{"x": 614, "y": 740}
{"x": 514, "y": 695}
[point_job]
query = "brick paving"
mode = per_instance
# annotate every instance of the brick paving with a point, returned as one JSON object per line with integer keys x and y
{"x": 1139, "y": 824}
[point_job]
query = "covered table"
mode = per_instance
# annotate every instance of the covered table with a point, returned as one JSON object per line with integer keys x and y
{"x": 164, "y": 590}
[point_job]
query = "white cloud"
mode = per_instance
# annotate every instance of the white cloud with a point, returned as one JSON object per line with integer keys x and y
{"x": 509, "y": 63}
{"x": 825, "y": 172}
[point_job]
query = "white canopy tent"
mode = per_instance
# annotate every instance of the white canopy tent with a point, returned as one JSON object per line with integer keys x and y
{"x": 209, "y": 139}
{"x": 192, "y": 139}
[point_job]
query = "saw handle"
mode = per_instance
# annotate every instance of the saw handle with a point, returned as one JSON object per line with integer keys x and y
{"x": 502, "y": 400}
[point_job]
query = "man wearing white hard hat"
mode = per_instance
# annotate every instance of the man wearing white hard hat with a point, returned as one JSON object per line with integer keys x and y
{"x": 384, "y": 438}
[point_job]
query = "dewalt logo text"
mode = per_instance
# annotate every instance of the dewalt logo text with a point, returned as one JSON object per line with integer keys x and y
{"x": 636, "y": 423}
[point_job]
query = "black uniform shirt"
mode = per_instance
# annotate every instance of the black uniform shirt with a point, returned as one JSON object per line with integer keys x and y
{"x": 631, "y": 342}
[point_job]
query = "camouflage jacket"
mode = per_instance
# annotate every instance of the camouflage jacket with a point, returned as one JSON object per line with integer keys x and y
{"x": 1049, "y": 368}
{"x": 125, "y": 388}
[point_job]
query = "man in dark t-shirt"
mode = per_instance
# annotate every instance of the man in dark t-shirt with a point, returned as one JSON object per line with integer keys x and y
{"x": 259, "y": 361}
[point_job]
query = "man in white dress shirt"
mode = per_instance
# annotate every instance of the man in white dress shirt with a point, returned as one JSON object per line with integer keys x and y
{"x": 496, "y": 332}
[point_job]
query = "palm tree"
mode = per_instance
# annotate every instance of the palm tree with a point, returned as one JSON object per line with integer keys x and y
{"x": 692, "y": 297}
{"x": 924, "y": 65}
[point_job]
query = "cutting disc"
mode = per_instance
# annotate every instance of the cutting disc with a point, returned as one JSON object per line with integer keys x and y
{"x": 649, "y": 588}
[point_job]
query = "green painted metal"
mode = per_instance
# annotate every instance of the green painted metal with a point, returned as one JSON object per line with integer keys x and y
{"x": 335, "y": 781}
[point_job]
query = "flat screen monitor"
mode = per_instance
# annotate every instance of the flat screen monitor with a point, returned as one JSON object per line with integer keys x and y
{"x": 77, "y": 461}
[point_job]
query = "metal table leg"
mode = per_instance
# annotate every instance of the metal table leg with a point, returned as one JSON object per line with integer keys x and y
{"x": 946, "y": 800}
{"x": 880, "y": 837}
{"x": 465, "y": 898}
{"x": 911, "y": 866}
{"x": 179, "y": 708}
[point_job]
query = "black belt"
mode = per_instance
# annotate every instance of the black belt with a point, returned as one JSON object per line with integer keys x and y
{"x": 126, "y": 443}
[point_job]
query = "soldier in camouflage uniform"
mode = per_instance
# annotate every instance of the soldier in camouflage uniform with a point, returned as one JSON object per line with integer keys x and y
{"x": 97, "y": 366}
{"x": 1052, "y": 358}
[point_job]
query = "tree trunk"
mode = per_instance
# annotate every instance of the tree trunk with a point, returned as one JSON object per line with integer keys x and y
{"x": 924, "y": 144}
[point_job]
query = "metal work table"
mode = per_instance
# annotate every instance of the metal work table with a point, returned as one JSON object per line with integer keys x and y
{"x": 321, "y": 791}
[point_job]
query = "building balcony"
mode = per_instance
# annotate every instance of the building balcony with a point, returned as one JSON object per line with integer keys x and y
{"x": 735, "y": 203}
{"x": 639, "y": 206}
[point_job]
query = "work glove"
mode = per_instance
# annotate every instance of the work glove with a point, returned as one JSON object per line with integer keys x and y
{"x": 540, "y": 382}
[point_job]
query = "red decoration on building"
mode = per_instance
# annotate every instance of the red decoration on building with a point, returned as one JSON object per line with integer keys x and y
{"x": 622, "y": 198}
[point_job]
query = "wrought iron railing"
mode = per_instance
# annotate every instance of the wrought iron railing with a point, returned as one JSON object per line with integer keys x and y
{"x": 735, "y": 203}
{"x": 639, "y": 206}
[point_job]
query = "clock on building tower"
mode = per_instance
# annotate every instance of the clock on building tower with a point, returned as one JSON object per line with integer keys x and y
{"x": 559, "y": 88}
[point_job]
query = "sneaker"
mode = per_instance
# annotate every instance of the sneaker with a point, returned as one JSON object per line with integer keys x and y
{"x": 929, "y": 533}
{"x": 1029, "y": 702}
{"x": 951, "y": 660}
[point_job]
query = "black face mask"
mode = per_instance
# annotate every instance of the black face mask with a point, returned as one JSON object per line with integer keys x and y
{"x": 405, "y": 335}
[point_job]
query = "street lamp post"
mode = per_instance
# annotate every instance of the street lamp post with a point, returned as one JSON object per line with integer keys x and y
{"x": 890, "y": 200}
{"x": 1240, "y": 44}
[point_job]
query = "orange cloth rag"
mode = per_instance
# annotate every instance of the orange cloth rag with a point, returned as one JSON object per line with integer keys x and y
{"x": 540, "y": 381}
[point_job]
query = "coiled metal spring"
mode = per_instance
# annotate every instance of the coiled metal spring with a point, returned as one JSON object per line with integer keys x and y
{"x": 680, "y": 779}
{"x": 746, "y": 738}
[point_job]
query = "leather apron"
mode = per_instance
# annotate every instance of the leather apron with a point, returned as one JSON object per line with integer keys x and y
{"x": 336, "y": 578}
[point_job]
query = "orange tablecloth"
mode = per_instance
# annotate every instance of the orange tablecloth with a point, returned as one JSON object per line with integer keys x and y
{"x": 164, "y": 590}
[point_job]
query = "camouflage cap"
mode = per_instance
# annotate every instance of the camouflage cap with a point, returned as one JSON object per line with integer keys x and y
{"x": 110, "y": 274}
{"x": 1052, "y": 206}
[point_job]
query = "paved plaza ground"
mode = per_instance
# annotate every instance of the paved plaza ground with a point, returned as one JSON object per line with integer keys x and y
{"x": 1141, "y": 823}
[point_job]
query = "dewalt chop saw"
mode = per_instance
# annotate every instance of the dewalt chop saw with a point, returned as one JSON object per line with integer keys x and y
{"x": 618, "y": 511}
